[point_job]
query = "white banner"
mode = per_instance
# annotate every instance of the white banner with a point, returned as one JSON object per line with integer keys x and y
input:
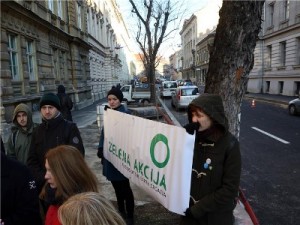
{"x": 157, "y": 157}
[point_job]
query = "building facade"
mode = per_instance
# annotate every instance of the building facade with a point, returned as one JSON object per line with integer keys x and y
{"x": 81, "y": 44}
{"x": 202, "y": 57}
{"x": 277, "y": 54}
{"x": 43, "y": 44}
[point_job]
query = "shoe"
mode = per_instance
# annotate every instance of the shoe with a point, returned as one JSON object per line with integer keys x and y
{"x": 129, "y": 221}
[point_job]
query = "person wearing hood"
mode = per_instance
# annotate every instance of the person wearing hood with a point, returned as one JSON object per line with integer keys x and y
{"x": 66, "y": 103}
{"x": 21, "y": 132}
{"x": 53, "y": 131}
{"x": 216, "y": 170}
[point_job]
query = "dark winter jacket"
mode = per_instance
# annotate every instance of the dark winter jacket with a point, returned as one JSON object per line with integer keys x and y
{"x": 109, "y": 171}
{"x": 65, "y": 103}
{"x": 19, "y": 195}
{"x": 49, "y": 134}
{"x": 216, "y": 169}
{"x": 19, "y": 141}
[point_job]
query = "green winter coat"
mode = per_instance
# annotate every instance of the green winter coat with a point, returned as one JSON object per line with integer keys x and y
{"x": 19, "y": 141}
{"x": 214, "y": 186}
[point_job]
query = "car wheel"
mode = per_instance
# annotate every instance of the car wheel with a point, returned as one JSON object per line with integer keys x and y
{"x": 292, "y": 110}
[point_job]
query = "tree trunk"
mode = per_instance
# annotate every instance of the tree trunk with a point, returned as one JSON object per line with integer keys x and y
{"x": 232, "y": 58}
{"x": 151, "y": 77}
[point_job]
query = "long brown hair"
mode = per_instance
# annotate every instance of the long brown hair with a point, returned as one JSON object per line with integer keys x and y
{"x": 70, "y": 171}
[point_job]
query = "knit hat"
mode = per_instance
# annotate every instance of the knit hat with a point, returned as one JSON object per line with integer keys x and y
{"x": 116, "y": 92}
{"x": 50, "y": 99}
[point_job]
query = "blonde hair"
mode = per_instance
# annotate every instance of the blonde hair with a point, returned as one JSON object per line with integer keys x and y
{"x": 71, "y": 173}
{"x": 89, "y": 208}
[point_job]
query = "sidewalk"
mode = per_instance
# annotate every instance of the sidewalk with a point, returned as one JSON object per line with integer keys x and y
{"x": 278, "y": 99}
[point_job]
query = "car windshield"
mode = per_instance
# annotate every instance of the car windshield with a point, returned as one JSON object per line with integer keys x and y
{"x": 190, "y": 91}
{"x": 170, "y": 85}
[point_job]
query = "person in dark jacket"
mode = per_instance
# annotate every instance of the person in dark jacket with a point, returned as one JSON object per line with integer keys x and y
{"x": 119, "y": 181}
{"x": 216, "y": 167}
{"x": 19, "y": 195}
{"x": 19, "y": 140}
{"x": 53, "y": 131}
{"x": 66, "y": 103}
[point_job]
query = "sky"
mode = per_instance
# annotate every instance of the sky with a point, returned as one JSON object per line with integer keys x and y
{"x": 172, "y": 44}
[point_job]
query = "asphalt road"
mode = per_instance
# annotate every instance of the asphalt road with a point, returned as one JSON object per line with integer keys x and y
{"x": 271, "y": 164}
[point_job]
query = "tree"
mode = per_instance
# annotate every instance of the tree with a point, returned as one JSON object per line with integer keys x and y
{"x": 152, "y": 29}
{"x": 231, "y": 56}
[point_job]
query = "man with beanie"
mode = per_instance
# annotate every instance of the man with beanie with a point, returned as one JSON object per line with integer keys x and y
{"x": 53, "y": 131}
{"x": 215, "y": 176}
{"x": 21, "y": 132}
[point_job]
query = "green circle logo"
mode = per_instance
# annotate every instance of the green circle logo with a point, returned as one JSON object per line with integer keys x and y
{"x": 155, "y": 140}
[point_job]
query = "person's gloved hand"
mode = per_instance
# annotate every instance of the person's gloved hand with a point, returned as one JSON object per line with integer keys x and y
{"x": 106, "y": 107}
{"x": 191, "y": 127}
{"x": 100, "y": 153}
{"x": 188, "y": 213}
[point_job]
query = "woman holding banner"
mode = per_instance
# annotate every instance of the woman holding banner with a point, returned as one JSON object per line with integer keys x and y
{"x": 216, "y": 167}
{"x": 119, "y": 181}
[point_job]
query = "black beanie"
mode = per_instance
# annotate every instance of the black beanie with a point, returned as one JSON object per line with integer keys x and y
{"x": 116, "y": 92}
{"x": 50, "y": 99}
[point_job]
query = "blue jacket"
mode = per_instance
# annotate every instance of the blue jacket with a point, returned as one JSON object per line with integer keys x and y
{"x": 109, "y": 171}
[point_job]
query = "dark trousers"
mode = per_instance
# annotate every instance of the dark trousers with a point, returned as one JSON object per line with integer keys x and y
{"x": 124, "y": 196}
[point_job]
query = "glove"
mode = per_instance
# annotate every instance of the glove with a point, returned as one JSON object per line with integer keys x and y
{"x": 106, "y": 107}
{"x": 100, "y": 153}
{"x": 191, "y": 127}
{"x": 188, "y": 213}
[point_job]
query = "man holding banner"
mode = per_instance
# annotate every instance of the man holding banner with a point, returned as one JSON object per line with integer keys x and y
{"x": 216, "y": 164}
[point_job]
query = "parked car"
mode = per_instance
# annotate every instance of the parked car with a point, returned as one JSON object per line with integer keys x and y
{"x": 167, "y": 88}
{"x": 183, "y": 96}
{"x": 294, "y": 106}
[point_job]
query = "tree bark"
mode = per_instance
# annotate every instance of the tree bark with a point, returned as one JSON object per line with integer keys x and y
{"x": 232, "y": 56}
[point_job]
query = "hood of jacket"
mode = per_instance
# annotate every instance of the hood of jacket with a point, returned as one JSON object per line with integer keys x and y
{"x": 22, "y": 108}
{"x": 212, "y": 105}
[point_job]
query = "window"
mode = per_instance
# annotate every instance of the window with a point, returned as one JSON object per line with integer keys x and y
{"x": 30, "y": 60}
{"x": 282, "y": 53}
{"x": 267, "y": 86}
{"x": 59, "y": 9}
{"x": 286, "y": 9}
{"x": 79, "y": 16}
{"x": 13, "y": 57}
{"x": 63, "y": 65}
{"x": 280, "y": 83}
{"x": 55, "y": 63}
{"x": 298, "y": 52}
{"x": 50, "y": 5}
{"x": 271, "y": 14}
{"x": 269, "y": 57}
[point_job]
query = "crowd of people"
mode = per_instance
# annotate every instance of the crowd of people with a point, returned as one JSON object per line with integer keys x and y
{"x": 45, "y": 179}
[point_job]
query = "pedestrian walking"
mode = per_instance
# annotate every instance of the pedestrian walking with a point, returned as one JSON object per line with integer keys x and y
{"x": 53, "y": 131}
{"x": 66, "y": 174}
{"x": 21, "y": 133}
{"x": 66, "y": 103}
{"x": 19, "y": 195}
{"x": 216, "y": 167}
{"x": 89, "y": 208}
{"x": 119, "y": 181}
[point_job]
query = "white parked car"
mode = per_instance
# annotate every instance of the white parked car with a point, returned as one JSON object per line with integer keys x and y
{"x": 183, "y": 96}
{"x": 167, "y": 88}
